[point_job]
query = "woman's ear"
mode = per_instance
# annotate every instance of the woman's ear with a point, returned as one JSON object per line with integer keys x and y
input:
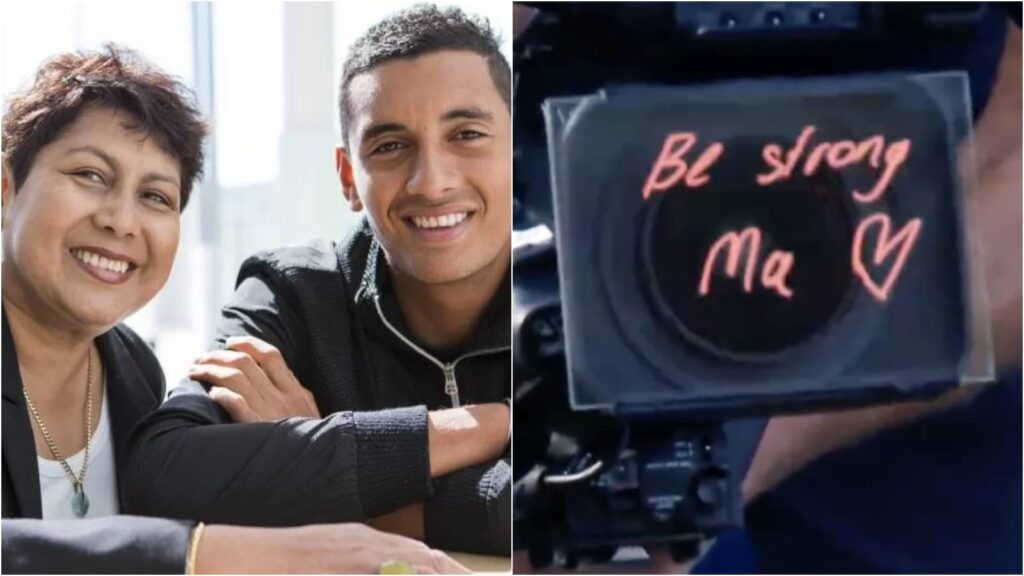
{"x": 343, "y": 166}
{"x": 6, "y": 189}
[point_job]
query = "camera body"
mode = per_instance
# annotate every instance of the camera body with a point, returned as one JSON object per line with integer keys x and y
{"x": 723, "y": 247}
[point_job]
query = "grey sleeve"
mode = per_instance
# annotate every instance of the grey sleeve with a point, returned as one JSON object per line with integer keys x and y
{"x": 111, "y": 545}
{"x": 188, "y": 460}
{"x": 471, "y": 510}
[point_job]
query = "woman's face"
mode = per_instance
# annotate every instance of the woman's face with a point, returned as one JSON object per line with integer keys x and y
{"x": 89, "y": 237}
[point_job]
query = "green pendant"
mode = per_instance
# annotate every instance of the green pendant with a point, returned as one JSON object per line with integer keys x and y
{"x": 80, "y": 502}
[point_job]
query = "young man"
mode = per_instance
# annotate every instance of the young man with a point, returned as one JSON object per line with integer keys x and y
{"x": 393, "y": 345}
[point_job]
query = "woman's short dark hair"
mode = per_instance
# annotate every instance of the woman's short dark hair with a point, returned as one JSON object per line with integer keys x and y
{"x": 423, "y": 29}
{"x": 116, "y": 77}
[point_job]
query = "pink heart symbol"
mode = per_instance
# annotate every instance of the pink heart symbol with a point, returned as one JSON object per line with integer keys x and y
{"x": 904, "y": 240}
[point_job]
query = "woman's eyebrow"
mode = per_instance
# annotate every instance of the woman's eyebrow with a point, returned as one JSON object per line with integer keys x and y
{"x": 110, "y": 160}
{"x": 157, "y": 177}
{"x": 114, "y": 164}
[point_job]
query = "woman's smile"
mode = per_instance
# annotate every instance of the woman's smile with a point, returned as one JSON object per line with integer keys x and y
{"x": 104, "y": 265}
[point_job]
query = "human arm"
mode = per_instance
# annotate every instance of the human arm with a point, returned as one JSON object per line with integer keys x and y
{"x": 252, "y": 382}
{"x": 325, "y": 548}
{"x": 137, "y": 545}
{"x": 469, "y": 511}
{"x": 348, "y": 466}
{"x": 111, "y": 545}
{"x": 994, "y": 213}
{"x": 469, "y": 507}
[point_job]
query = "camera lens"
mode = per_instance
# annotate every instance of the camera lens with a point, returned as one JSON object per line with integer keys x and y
{"x": 716, "y": 256}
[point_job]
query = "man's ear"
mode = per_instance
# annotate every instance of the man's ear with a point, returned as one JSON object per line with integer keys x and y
{"x": 343, "y": 165}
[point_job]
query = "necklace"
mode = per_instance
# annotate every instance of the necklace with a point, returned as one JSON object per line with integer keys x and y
{"x": 79, "y": 502}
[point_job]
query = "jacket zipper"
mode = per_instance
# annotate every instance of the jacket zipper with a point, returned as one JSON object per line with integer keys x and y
{"x": 451, "y": 386}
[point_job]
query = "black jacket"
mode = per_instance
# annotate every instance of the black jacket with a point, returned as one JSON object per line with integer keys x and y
{"x": 330, "y": 311}
{"x": 115, "y": 544}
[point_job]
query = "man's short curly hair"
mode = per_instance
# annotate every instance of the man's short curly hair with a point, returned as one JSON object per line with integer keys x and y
{"x": 161, "y": 107}
{"x": 423, "y": 29}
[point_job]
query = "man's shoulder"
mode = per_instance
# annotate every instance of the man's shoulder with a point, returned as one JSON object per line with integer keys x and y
{"x": 311, "y": 258}
{"x": 319, "y": 255}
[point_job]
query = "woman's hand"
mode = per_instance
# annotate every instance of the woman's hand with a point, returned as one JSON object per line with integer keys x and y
{"x": 321, "y": 548}
{"x": 252, "y": 382}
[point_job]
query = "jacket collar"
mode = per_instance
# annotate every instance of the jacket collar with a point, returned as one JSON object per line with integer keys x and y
{"x": 19, "y": 447}
{"x": 129, "y": 389}
{"x": 128, "y": 397}
{"x": 363, "y": 263}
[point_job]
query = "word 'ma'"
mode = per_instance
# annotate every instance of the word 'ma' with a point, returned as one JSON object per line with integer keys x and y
{"x": 773, "y": 273}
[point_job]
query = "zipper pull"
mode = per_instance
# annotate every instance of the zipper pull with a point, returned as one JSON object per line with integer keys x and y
{"x": 451, "y": 388}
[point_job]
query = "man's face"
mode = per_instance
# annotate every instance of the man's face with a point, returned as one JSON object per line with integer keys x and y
{"x": 429, "y": 158}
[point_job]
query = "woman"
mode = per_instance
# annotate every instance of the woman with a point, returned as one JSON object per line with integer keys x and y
{"x": 99, "y": 157}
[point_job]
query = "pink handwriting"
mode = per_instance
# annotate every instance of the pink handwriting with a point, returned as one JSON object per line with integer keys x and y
{"x": 677, "y": 145}
{"x": 837, "y": 155}
{"x": 773, "y": 273}
{"x": 904, "y": 240}
{"x": 671, "y": 168}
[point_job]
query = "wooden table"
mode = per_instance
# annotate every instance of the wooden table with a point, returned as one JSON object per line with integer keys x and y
{"x": 483, "y": 564}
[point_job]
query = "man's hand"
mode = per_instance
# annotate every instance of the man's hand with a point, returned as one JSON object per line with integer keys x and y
{"x": 252, "y": 382}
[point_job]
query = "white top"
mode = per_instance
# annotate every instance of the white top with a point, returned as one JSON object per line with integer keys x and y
{"x": 100, "y": 480}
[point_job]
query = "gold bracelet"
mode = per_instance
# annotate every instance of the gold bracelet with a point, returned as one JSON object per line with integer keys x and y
{"x": 193, "y": 548}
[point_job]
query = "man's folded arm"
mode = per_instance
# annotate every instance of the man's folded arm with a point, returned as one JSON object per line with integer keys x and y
{"x": 188, "y": 460}
{"x": 111, "y": 545}
{"x": 470, "y": 510}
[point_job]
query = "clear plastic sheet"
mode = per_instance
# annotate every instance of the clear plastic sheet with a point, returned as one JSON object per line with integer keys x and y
{"x": 770, "y": 244}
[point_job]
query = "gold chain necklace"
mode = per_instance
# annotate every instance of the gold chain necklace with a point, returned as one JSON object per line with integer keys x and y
{"x": 79, "y": 502}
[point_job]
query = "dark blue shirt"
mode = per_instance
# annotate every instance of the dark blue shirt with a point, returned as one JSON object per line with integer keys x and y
{"x": 941, "y": 495}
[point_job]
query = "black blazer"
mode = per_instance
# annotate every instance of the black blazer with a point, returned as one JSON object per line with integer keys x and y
{"x": 117, "y": 544}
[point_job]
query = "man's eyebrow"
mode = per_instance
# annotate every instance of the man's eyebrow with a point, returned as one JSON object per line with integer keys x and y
{"x": 467, "y": 113}
{"x": 113, "y": 163}
{"x": 375, "y": 130}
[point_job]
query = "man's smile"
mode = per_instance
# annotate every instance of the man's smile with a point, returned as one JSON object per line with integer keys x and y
{"x": 439, "y": 225}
